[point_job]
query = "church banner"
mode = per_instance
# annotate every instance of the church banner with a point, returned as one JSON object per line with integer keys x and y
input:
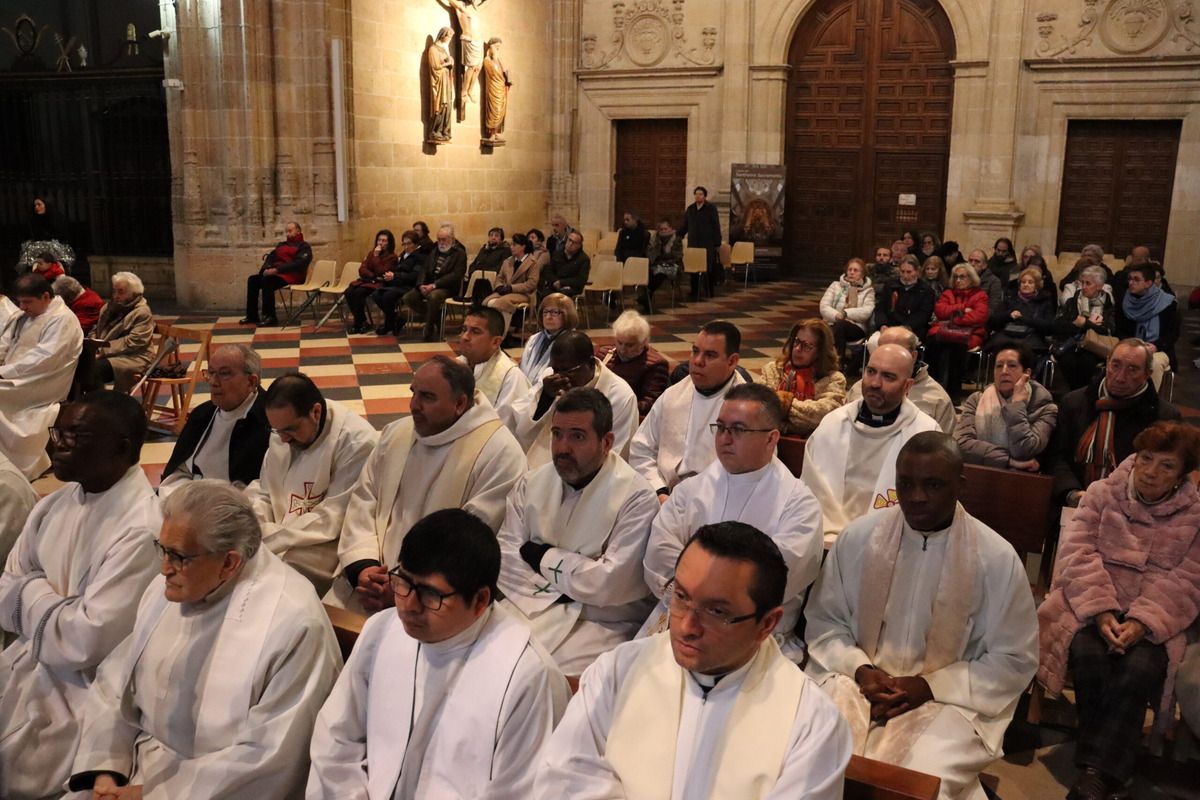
{"x": 756, "y": 209}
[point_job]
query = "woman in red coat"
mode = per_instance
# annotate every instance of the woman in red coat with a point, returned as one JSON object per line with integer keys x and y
{"x": 379, "y": 261}
{"x": 960, "y": 324}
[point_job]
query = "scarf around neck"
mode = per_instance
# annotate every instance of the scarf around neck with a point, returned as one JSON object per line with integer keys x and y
{"x": 799, "y": 381}
{"x": 1145, "y": 311}
{"x": 1095, "y": 448}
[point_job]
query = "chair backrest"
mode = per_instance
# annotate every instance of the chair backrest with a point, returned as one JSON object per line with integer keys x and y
{"x": 635, "y": 271}
{"x": 725, "y": 255}
{"x": 743, "y": 253}
{"x": 867, "y": 779}
{"x": 1067, "y": 261}
{"x": 345, "y": 274}
{"x": 607, "y": 246}
{"x": 695, "y": 259}
{"x": 605, "y": 274}
{"x": 325, "y": 270}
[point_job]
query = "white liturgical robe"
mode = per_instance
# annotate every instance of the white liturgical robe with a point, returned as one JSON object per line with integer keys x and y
{"x": 17, "y": 499}
{"x": 69, "y": 591}
{"x": 988, "y": 669}
{"x": 300, "y": 497}
{"x": 471, "y": 465}
{"x": 643, "y": 728}
{"x": 502, "y": 383}
{"x": 674, "y": 441}
{"x": 215, "y": 699}
{"x": 38, "y": 356}
{"x": 772, "y": 500}
{"x": 535, "y": 435}
{"x": 851, "y": 467}
{"x": 597, "y": 537}
{"x": 462, "y": 718}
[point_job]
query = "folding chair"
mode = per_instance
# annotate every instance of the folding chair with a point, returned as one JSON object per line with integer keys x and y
{"x": 742, "y": 255}
{"x": 466, "y": 300}
{"x": 323, "y": 274}
{"x": 695, "y": 262}
{"x": 635, "y": 272}
{"x": 337, "y": 290}
{"x": 605, "y": 278}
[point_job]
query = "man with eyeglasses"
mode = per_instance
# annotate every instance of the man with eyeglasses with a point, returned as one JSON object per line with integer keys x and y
{"x": 747, "y": 483}
{"x": 452, "y": 452}
{"x": 215, "y": 692}
{"x": 988, "y": 281}
{"x": 574, "y": 535}
{"x": 922, "y": 627}
{"x": 69, "y": 591}
{"x": 573, "y": 365}
{"x": 1097, "y": 423}
{"x": 227, "y": 436}
{"x": 674, "y": 441}
{"x": 315, "y": 457}
{"x": 448, "y": 697}
{"x": 709, "y": 709}
{"x": 568, "y": 269}
{"x": 39, "y": 351}
{"x": 850, "y": 459}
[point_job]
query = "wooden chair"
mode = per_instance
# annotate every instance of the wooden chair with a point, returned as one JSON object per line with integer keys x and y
{"x": 867, "y": 779}
{"x": 171, "y": 418}
{"x": 347, "y": 625}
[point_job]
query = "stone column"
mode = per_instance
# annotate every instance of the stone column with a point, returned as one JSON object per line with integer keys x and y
{"x": 564, "y": 48}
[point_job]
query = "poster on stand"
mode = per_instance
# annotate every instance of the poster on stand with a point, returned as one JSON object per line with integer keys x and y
{"x": 756, "y": 210}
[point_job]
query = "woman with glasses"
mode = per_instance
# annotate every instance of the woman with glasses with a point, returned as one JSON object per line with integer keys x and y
{"x": 1087, "y": 311}
{"x": 848, "y": 306}
{"x": 1008, "y": 425}
{"x": 960, "y": 324}
{"x": 805, "y": 377}
{"x": 557, "y": 314}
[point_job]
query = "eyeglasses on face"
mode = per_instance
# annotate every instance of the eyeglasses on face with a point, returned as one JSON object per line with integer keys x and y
{"x": 427, "y": 596}
{"x": 68, "y": 438}
{"x": 552, "y": 312}
{"x": 736, "y": 431}
{"x": 708, "y": 617}
{"x": 223, "y": 374}
{"x": 575, "y": 368}
{"x": 176, "y": 559}
{"x": 807, "y": 347}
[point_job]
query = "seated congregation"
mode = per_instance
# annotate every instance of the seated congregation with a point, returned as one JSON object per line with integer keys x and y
{"x": 570, "y": 576}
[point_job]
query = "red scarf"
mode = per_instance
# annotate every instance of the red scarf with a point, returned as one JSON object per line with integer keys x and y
{"x": 1095, "y": 449}
{"x": 799, "y": 381}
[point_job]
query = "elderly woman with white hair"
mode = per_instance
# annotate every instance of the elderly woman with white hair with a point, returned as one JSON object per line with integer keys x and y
{"x": 634, "y": 360}
{"x": 123, "y": 335}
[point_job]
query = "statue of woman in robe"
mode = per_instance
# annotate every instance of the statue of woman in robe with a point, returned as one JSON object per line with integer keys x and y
{"x": 441, "y": 86}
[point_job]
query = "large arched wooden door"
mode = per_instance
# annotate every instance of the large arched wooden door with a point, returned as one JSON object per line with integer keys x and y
{"x": 868, "y": 119}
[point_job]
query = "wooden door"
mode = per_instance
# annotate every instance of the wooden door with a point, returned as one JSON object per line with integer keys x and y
{"x": 868, "y": 118}
{"x": 1118, "y": 176}
{"x": 651, "y": 170}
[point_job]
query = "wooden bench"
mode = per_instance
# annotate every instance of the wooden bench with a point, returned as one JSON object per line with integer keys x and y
{"x": 347, "y": 625}
{"x": 867, "y": 779}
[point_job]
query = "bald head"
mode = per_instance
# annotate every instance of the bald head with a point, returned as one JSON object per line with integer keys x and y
{"x": 887, "y": 378}
{"x": 900, "y": 335}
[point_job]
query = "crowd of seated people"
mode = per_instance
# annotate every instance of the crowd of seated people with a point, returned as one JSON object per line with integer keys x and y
{"x": 572, "y": 519}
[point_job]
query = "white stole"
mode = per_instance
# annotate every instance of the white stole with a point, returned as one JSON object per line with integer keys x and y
{"x": 677, "y": 422}
{"x": 233, "y": 674}
{"x": 752, "y": 747}
{"x": 586, "y": 531}
{"x": 471, "y": 717}
{"x": 311, "y": 476}
{"x": 492, "y": 374}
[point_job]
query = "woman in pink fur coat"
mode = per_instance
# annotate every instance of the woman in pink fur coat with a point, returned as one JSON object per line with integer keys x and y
{"x": 1127, "y": 586}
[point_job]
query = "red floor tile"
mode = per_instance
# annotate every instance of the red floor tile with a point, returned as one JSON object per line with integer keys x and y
{"x": 389, "y": 405}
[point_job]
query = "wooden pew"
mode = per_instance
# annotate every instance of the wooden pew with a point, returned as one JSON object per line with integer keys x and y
{"x": 347, "y": 625}
{"x": 867, "y": 779}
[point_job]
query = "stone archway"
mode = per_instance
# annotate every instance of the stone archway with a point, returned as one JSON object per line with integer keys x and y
{"x": 867, "y": 117}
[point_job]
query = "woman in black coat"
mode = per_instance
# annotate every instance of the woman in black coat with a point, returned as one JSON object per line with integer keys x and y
{"x": 1027, "y": 313}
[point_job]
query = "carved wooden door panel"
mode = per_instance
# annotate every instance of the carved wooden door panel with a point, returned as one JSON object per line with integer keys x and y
{"x": 868, "y": 119}
{"x": 651, "y": 170}
{"x": 1118, "y": 176}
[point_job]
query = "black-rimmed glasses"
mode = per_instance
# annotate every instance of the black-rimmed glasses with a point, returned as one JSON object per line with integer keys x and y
{"x": 176, "y": 559}
{"x": 736, "y": 432}
{"x": 404, "y": 586}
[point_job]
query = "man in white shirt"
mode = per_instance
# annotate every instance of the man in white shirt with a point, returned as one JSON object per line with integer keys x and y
{"x": 453, "y": 452}
{"x": 215, "y": 692}
{"x": 747, "y": 483}
{"x": 710, "y": 709}
{"x": 448, "y": 697}
{"x": 39, "y": 350}
{"x": 850, "y": 459}
{"x": 572, "y": 365}
{"x": 925, "y": 393}
{"x": 70, "y": 587}
{"x": 673, "y": 441}
{"x": 315, "y": 457}
{"x": 574, "y": 537}
{"x": 496, "y": 375}
{"x": 227, "y": 436}
{"x": 922, "y": 626}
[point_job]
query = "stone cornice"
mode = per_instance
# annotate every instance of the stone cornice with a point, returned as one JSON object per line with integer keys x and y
{"x": 594, "y": 75}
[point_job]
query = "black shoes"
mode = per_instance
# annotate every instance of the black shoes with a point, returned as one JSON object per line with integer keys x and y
{"x": 268, "y": 322}
{"x": 248, "y": 321}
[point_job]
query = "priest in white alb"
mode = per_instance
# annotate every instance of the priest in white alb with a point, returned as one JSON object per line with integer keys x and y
{"x": 17, "y": 499}
{"x": 674, "y": 441}
{"x": 453, "y": 452}
{"x": 850, "y": 459}
{"x": 709, "y": 709}
{"x": 318, "y": 450}
{"x": 448, "y": 697}
{"x": 39, "y": 350}
{"x": 70, "y": 587}
{"x": 572, "y": 365}
{"x": 574, "y": 537}
{"x": 922, "y": 627}
{"x": 746, "y": 483}
{"x": 496, "y": 375}
{"x": 214, "y": 694}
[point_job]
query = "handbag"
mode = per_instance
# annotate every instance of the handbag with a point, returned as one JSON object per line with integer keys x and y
{"x": 953, "y": 334}
{"x": 1098, "y": 343}
{"x": 481, "y": 290}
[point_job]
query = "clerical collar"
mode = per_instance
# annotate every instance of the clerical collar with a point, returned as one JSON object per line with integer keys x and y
{"x": 872, "y": 420}
{"x": 715, "y": 390}
{"x": 215, "y": 596}
{"x": 709, "y": 682}
{"x": 462, "y": 639}
{"x": 753, "y": 476}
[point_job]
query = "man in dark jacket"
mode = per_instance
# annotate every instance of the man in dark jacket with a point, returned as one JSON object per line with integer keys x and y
{"x": 907, "y": 300}
{"x": 632, "y": 239}
{"x": 1098, "y": 423}
{"x": 443, "y": 277}
{"x": 226, "y": 437}
{"x": 492, "y": 255}
{"x": 568, "y": 269}
{"x": 287, "y": 263}
{"x": 702, "y": 226}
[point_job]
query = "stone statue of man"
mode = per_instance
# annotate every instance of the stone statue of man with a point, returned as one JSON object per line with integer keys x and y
{"x": 496, "y": 83}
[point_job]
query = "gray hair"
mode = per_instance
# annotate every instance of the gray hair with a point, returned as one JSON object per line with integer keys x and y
{"x": 447, "y": 226}
{"x": 67, "y": 287}
{"x": 1093, "y": 250}
{"x": 130, "y": 281}
{"x": 220, "y": 516}
{"x": 251, "y": 360}
{"x": 1096, "y": 273}
{"x": 1140, "y": 345}
{"x": 972, "y": 275}
{"x": 631, "y": 323}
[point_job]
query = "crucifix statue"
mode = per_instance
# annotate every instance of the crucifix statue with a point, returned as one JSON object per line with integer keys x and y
{"x": 470, "y": 48}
